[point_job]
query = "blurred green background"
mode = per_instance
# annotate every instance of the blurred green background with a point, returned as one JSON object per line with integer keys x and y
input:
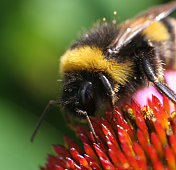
{"x": 33, "y": 35}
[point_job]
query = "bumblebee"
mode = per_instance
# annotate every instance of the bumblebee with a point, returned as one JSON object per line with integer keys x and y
{"x": 110, "y": 62}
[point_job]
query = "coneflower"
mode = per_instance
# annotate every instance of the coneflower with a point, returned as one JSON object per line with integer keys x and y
{"x": 132, "y": 137}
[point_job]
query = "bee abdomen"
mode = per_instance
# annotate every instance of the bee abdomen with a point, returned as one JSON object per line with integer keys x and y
{"x": 167, "y": 49}
{"x": 170, "y": 47}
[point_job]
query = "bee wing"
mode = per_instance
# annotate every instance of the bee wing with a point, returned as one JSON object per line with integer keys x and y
{"x": 130, "y": 28}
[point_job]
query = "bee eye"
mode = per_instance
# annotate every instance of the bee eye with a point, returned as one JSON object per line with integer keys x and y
{"x": 86, "y": 93}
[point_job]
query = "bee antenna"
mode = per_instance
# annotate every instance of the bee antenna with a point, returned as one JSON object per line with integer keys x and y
{"x": 51, "y": 102}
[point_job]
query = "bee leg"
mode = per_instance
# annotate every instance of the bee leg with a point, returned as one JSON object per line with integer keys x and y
{"x": 51, "y": 102}
{"x": 89, "y": 122}
{"x": 161, "y": 86}
{"x": 109, "y": 90}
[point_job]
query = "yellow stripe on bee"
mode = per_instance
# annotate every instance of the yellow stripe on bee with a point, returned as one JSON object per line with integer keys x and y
{"x": 92, "y": 59}
{"x": 157, "y": 32}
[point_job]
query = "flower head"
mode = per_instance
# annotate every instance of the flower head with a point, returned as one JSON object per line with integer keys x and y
{"x": 134, "y": 137}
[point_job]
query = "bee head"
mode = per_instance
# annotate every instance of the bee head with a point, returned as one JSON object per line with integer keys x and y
{"x": 82, "y": 92}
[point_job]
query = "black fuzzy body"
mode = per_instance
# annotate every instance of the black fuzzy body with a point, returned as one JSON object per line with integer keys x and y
{"x": 101, "y": 37}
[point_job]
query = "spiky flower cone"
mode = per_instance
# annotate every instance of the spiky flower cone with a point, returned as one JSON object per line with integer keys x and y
{"x": 131, "y": 138}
